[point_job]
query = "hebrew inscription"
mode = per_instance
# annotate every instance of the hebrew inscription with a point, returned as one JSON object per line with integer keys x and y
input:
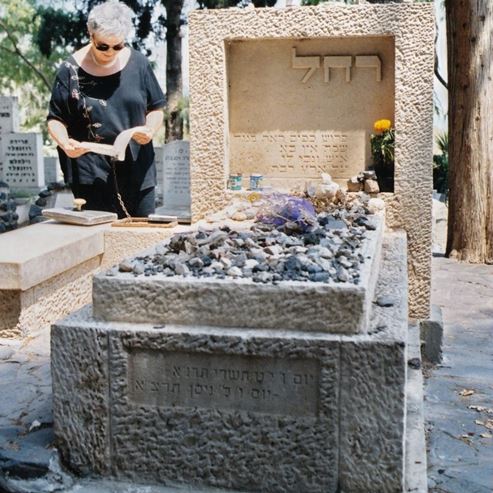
{"x": 312, "y": 63}
{"x": 294, "y": 154}
{"x": 263, "y": 385}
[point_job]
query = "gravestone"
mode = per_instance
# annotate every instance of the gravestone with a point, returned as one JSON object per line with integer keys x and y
{"x": 52, "y": 171}
{"x": 158, "y": 159}
{"x": 176, "y": 179}
{"x": 290, "y": 93}
{"x": 9, "y": 114}
{"x": 9, "y": 122}
{"x": 22, "y": 160}
{"x": 304, "y": 107}
{"x": 257, "y": 409}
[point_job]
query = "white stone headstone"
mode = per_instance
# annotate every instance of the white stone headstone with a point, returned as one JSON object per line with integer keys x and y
{"x": 158, "y": 159}
{"x": 53, "y": 173}
{"x": 22, "y": 160}
{"x": 9, "y": 114}
{"x": 176, "y": 178}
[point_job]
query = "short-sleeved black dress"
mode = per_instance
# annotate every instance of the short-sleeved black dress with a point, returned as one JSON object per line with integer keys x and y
{"x": 97, "y": 109}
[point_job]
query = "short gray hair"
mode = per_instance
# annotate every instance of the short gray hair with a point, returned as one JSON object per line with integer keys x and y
{"x": 110, "y": 18}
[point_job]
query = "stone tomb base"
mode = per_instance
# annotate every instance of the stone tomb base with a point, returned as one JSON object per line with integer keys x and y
{"x": 239, "y": 409}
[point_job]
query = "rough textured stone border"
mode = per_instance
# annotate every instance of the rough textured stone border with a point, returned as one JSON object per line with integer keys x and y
{"x": 413, "y": 28}
{"x": 342, "y": 308}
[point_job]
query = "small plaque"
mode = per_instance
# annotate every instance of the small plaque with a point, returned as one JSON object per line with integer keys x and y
{"x": 231, "y": 382}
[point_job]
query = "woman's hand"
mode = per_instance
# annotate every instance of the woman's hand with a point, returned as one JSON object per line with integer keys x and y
{"x": 73, "y": 149}
{"x": 144, "y": 136}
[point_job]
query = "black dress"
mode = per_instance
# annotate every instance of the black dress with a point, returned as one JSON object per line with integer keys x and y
{"x": 97, "y": 109}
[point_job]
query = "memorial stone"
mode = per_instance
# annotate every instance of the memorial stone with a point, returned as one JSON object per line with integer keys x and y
{"x": 9, "y": 114}
{"x": 9, "y": 122}
{"x": 52, "y": 170}
{"x": 158, "y": 159}
{"x": 176, "y": 179}
{"x": 23, "y": 166}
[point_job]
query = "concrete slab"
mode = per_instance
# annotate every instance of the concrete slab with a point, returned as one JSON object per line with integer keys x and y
{"x": 32, "y": 255}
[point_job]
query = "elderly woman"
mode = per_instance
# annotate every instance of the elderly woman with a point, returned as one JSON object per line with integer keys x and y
{"x": 101, "y": 90}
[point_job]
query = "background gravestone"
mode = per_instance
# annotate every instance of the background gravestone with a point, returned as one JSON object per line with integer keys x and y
{"x": 9, "y": 122}
{"x": 158, "y": 159}
{"x": 23, "y": 166}
{"x": 176, "y": 179}
{"x": 53, "y": 173}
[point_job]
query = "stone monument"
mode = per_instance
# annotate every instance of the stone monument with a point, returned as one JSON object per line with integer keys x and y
{"x": 289, "y": 93}
{"x": 175, "y": 179}
{"x": 22, "y": 160}
{"x": 276, "y": 387}
{"x": 160, "y": 383}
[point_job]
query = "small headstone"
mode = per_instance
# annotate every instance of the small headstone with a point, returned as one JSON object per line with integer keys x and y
{"x": 22, "y": 160}
{"x": 176, "y": 179}
{"x": 158, "y": 159}
{"x": 9, "y": 114}
{"x": 53, "y": 173}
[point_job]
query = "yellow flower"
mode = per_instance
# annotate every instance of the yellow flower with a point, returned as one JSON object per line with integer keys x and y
{"x": 382, "y": 125}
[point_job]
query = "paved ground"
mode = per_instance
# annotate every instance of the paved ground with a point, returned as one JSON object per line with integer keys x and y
{"x": 459, "y": 393}
{"x": 460, "y": 444}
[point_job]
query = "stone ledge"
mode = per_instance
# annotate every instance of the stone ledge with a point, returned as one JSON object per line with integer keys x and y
{"x": 290, "y": 305}
{"x": 37, "y": 253}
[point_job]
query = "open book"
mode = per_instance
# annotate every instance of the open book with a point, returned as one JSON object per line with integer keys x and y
{"x": 117, "y": 150}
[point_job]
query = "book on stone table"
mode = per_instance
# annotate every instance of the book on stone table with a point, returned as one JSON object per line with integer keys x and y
{"x": 117, "y": 150}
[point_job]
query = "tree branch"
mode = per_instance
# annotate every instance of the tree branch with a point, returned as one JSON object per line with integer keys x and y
{"x": 18, "y": 52}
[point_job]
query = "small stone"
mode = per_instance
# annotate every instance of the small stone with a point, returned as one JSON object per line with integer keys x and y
{"x": 342, "y": 275}
{"x": 182, "y": 270}
{"x": 414, "y": 363}
{"x": 354, "y": 185}
{"x": 371, "y": 186}
{"x": 385, "y": 301}
{"x": 375, "y": 205}
{"x": 138, "y": 268}
{"x": 239, "y": 216}
{"x": 369, "y": 174}
{"x": 126, "y": 266}
{"x": 226, "y": 262}
{"x": 320, "y": 277}
{"x": 262, "y": 277}
{"x": 160, "y": 250}
{"x": 234, "y": 272}
{"x": 196, "y": 263}
{"x": 274, "y": 250}
{"x": 335, "y": 224}
{"x": 364, "y": 221}
{"x": 250, "y": 263}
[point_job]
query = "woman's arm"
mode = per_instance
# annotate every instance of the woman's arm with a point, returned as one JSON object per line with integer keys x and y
{"x": 154, "y": 120}
{"x": 59, "y": 134}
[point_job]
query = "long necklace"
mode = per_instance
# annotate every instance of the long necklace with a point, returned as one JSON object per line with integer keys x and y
{"x": 104, "y": 65}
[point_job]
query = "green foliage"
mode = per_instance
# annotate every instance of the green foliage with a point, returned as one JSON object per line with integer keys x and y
{"x": 440, "y": 165}
{"x": 24, "y": 70}
{"x": 382, "y": 148}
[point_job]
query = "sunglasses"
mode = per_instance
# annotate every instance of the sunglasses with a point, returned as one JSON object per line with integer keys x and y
{"x": 105, "y": 47}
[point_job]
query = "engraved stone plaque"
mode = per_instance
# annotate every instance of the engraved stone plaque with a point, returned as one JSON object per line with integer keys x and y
{"x": 23, "y": 165}
{"x": 240, "y": 383}
{"x": 176, "y": 178}
{"x": 299, "y": 108}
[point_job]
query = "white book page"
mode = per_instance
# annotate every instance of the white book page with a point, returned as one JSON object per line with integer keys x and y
{"x": 116, "y": 150}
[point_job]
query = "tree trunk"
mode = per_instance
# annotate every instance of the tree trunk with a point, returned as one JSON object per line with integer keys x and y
{"x": 470, "y": 222}
{"x": 174, "y": 124}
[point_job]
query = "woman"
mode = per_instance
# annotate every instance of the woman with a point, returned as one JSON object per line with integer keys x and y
{"x": 101, "y": 90}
